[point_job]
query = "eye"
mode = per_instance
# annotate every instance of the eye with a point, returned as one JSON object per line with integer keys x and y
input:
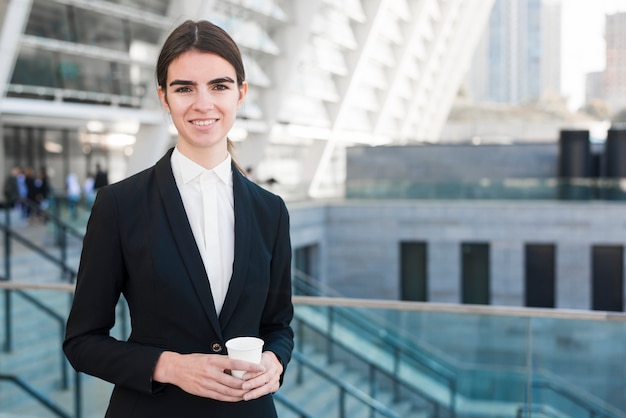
{"x": 183, "y": 89}
{"x": 220, "y": 87}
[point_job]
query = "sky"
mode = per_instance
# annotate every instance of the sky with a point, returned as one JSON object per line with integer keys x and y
{"x": 582, "y": 43}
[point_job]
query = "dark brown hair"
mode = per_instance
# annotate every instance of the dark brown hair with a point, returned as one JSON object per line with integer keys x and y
{"x": 201, "y": 36}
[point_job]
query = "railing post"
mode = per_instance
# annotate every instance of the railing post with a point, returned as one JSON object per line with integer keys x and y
{"x": 61, "y": 237}
{"x": 7, "y": 244}
{"x": 8, "y": 345}
{"x": 64, "y": 377}
{"x": 342, "y": 403}
{"x": 58, "y": 231}
{"x": 453, "y": 400}
{"x": 396, "y": 371}
{"x": 300, "y": 342}
{"x": 77, "y": 396}
{"x": 372, "y": 379}
{"x": 63, "y": 244}
{"x": 329, "y": 347}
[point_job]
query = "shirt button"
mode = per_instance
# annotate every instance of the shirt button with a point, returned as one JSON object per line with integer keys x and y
{"x": 216, "y": 347}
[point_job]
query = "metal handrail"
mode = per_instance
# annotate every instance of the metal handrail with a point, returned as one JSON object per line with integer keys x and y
{"x": 587, "y": 403}
{"x": 41, "y": 398}
{"x": 372, "y": 366}
{"x": 398, "y": 346}
{"x": 345, "y": 388}
{"x": 401, "y": 348}
{"x": 292, "y": 406}
{"x": 491, "y": 310}
{"x": 316, "y": 301}
{"x": 62, "y": 229}
{"x": 70, "y": 272}
{"x": 67, "y": 272}
{"x": 590, "y": 405}
{"x": 60, "y": 321}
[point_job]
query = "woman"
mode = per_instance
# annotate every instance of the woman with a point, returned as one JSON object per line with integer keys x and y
{"x": 200, "y": 253}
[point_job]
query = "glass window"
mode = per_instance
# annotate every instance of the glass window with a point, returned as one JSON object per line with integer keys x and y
{"x": 147, "y": 34}
{"x": 56, "y": 21}
{"x": 158, "y": 7}
{"x": 607, "y": 269}
{"x": 306, "y": 260}
{"x": 540, "y": 275}
{"x": 49, "y": 20}
{"x": 246, "y": 33}
{"x": 35, "y": 68}
{"x": 475, "y": 273}
{"x": 413, "y": 271}
{"x": 100, "y": 30}
{"x": 265, "y": 7}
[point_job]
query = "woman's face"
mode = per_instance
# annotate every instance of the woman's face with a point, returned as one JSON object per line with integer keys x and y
{"x": 202, "y": 96}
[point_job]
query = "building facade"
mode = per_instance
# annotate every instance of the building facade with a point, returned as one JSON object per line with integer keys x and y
{"x": 77, "y": 84}
{"x": 487, "y": 224}
{"x": 615, "y": 71}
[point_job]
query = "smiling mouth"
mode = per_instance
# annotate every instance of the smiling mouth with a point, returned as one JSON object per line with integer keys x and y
{"x": 203, "y": 122}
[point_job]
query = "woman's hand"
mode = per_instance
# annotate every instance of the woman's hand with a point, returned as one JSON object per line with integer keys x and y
{"x": 267, "y": 381}
{"x": 207, "y": 375}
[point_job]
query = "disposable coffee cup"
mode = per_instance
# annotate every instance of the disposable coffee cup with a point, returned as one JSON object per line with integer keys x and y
{"x": 244, "y": 348}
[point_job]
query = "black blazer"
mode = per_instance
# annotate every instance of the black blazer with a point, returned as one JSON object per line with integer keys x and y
{"x": 139, "y": 243}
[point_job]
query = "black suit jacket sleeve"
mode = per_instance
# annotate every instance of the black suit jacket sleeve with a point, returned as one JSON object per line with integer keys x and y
{"x": 102, "y": 277}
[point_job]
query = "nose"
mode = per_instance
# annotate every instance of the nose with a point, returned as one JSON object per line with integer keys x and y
{"x": 204, "y": 101}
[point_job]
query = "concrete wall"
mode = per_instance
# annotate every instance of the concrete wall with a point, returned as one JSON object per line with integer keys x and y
{"x": 359, "y": 243}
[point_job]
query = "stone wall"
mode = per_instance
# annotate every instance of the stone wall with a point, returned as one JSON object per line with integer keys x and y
{"x": 359, "y": 243}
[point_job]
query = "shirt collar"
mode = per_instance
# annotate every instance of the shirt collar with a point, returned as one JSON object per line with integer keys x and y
{"x": 191, "y": 170}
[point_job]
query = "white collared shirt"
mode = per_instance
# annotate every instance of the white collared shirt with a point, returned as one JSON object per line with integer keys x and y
{"x": 208, "y": 200}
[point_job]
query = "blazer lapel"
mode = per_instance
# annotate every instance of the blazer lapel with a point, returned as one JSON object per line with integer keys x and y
{"x": 177, "y": 217}
{"x": 243, "y": 214}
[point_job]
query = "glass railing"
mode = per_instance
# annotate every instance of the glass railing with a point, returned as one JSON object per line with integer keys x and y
{"x": 486, "y": 361}
{"x": 442, "y": 360}
{"x": 579, "y": 189}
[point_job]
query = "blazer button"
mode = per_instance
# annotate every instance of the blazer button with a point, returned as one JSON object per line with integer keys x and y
{"x": 217, "y": 347}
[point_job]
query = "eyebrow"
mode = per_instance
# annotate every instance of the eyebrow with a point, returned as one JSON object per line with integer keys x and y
{"x": 219, "y": 80}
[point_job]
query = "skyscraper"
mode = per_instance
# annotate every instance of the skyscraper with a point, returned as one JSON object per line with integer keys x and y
{"x": 518, "y": 59}
{"x": 615, "y": 72}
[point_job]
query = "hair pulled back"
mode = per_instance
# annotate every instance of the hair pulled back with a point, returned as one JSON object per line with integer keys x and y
{"x": 201, "y": 36}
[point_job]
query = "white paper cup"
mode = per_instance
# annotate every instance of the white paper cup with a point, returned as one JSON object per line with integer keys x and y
{"x": 244, "y": 348}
